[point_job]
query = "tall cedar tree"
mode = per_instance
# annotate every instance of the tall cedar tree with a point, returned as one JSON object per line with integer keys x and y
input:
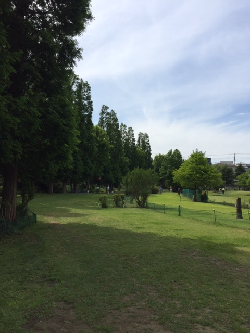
{"x": 82, "y": 167}
{"x": 118, "y": 164}
{"x": 144, "y": 152}
{"x": 129, "y": 146}
{"x": 38, "y": 117}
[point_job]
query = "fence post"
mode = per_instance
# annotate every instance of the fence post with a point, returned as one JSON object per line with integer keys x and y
{"x": 179, "y": 209}
{"x": 164, "y": 208}
{"x": 154, "y": 205}
{"x": 214, "y": 216}
{"x": 238, "y": 209}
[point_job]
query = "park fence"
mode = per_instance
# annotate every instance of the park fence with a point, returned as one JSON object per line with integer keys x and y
{"x": 213, "y": 215}
{"x": 8, "y": 228}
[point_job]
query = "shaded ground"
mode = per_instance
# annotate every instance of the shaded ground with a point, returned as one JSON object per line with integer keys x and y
{"x": 136, "y": 318}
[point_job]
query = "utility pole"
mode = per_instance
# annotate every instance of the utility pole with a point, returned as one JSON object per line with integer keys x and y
{"x": 234, "y": 158}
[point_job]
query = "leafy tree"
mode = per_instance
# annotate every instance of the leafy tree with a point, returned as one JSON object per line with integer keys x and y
{"x": 144, "y": 152}
{"x": 196, "y": 173}
{"x": 86, "y": 148}
{"x": 227, "y": 173}
{"x": 101, "y": 157}
{"x": 118, "y": 165}
{"x": 139, "y": 183}
{"x": 172, "y": 161}
{"x": 38, "y": 116}
{"x": 129, "y": 146}
{"x": 239, "y": 170}
{"x": 244, "y": 179}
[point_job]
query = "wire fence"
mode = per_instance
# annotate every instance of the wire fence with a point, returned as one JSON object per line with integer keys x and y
{"x": 8, "y": 227}
{"x": 213, "y": 215}
{"x": 229, "y": 218}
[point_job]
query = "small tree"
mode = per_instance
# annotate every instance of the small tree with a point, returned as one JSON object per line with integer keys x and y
{"x": 139, "y": 183}
{"x": 244, "y": 179}
{"x": 196, "y": 173}
{"x": 239, "y": 170}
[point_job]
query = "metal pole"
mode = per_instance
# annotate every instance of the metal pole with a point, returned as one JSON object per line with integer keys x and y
{"x": 214, "y": 216}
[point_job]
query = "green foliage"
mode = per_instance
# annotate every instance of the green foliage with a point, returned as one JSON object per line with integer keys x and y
{"x": 103, "y": 201}
{"x": 117, "y": 165}
{"x": 154, "y": 189}
{"x": 239, "y": 170}
{"x": 118, "y": 200}
{"x": 37, "y": 115}
{"x": 164, "y": 165}
{"x": 144, "y": 152}
{"x": 227, "y": 173}
{"x": 139, "y": 183}
{"x": 244, "y": 179}
{"x": 196, "y": 173}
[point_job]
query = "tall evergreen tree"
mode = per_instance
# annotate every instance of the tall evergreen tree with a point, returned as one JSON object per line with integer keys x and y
{"x": 128, "y": 144}
{"x": 118, "y": 165}
{"x": 144, "y": 151}
{"x": 84, "y": 107}
{"x": 239, "y": 170}
{"x": 40, "y": 39}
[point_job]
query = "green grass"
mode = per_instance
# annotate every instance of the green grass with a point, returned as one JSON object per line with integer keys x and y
{"x": 84, "y": 269}
{"x": 230, "y": 196}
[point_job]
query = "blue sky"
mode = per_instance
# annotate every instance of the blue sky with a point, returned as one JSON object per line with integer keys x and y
{"x": 176, "y": 70}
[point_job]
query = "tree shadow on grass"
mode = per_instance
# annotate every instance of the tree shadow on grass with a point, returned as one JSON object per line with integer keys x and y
{"x": 114, "y": 280}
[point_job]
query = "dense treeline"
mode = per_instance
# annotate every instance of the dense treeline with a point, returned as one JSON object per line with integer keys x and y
{"x": 47, "y": 135}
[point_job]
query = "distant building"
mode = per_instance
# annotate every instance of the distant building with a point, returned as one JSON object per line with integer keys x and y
{"x": 227, "y": 162}
{"x": 245, "y": 166}
{"x": 209, "y": 160}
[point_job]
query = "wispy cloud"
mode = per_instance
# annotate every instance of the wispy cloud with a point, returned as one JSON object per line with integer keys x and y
{"x": 179, "y": 71}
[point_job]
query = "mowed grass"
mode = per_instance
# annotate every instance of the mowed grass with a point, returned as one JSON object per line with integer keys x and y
{"x": 84, "y": 269}
{"x": 231, "y": 196}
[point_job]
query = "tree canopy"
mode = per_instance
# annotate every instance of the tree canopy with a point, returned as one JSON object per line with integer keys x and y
{"x": 196, "y": 173}
{"x": 244, "y": 179}
{"x": 139, "y": 183}
{"x": 37, "y": 117}
{"x": 164, "y": 165}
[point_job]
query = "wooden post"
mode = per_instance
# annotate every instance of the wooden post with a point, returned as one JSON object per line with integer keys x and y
{"x": 238, "y": 209}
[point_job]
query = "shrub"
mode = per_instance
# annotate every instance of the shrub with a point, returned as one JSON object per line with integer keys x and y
{"x": 103, "y": 200}
{"x": 118, "y": 200}
{"x": 154, "y": 190}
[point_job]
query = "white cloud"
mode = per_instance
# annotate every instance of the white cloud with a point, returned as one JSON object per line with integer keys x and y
{"x": 182, "y": 67}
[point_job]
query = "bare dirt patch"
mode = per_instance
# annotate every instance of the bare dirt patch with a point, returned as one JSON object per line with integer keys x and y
{"x": 134, "y": 318}
{"x": 63, "y": 320}
{"x": 205, "y": 329}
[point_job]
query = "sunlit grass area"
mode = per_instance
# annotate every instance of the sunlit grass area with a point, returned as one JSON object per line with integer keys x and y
{"x": 86, "y": 269}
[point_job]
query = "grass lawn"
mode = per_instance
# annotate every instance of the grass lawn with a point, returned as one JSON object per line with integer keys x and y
{"x": 81, "y": 269}
{"x": 231, "y": 196}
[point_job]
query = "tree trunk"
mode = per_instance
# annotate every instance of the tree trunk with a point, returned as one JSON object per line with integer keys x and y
{"x": 195, "y": 197}
{"x": 64, "y": 187}
{"x": 75, "y": 188}
{"x": 50, "y": 187}
{"x": 9, "y": 196}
